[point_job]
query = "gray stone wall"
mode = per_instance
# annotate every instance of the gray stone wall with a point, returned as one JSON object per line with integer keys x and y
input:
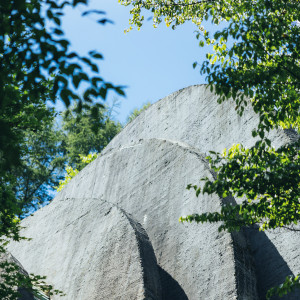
{"x": 113, "y": 232}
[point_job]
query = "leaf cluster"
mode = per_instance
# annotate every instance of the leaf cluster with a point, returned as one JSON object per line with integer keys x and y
{"x": 266, "y": 180}
{"x": 72, "y": 172}
{"x": 290, "y": 283}
{"x": 13, "y": 276}
{"x": 85, "y": 134}
{"x": 36, "y": 66}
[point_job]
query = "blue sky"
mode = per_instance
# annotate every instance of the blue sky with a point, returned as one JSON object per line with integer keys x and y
{"x": 152, "y": 63}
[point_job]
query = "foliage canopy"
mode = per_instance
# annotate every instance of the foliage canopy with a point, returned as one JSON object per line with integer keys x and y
{"x": 37, "y": 65}
{"x": 85, "y": 135}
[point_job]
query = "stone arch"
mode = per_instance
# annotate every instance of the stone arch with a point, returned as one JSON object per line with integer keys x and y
{"x": 147, "y": 180}
{"x": 91, "y": 252}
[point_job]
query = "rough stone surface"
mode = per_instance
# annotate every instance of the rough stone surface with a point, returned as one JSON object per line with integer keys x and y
{"x": 130, "y": 178}
{"x": 91, "y": 249}
{"x": 89, "y": 245}
{"x": 276, "y": 254}
{"x": 193, "y": 116}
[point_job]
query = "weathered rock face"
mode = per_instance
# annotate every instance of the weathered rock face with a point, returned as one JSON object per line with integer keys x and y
{"x": 113, "y": 232}
{"x": 95, "y": 250}
{"x": 193, "y": 116}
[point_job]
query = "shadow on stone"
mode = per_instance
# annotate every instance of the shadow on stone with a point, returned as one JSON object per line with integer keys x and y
{"x": 171, "y": 290}
{"x": 25, "y": 295}
{"x": 246, "y": 282}
{"x": 271, "y": 268}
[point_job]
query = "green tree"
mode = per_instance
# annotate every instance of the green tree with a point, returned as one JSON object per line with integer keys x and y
{"x": 40, "y": 167}
{"x": 37, "y": 65}
{"x": 136, "y": 112}
{"x": 256, "y": 62}
{"x": 32, "y": 49}
{"x": 25, "y": 161}
{"x": 24, "y": 187}
{"x": 85, "y": 135}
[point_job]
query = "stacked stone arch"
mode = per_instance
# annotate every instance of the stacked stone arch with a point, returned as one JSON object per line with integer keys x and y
{"x": 113, "y": 232}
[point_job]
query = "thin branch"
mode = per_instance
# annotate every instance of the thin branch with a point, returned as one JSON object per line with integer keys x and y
{"x": 291, "y": 229}
{"x": 181, "y": 4}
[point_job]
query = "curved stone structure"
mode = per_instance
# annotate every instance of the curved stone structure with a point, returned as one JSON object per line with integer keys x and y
{"x": 130, "y": 178}
{"x": 88, "y": 245}
{"x": 193, "y": 116}
{"x": 91, "y": 249}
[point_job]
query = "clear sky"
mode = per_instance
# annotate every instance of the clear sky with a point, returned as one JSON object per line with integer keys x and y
{"x": 152, "y": 63}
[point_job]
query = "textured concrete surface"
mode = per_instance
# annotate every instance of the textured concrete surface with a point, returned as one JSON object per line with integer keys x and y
{"x": 147, "y": 180}
{"x": 113, "y": 232}
{"x": 193, "y": 116}
{"x": 274, "y": 260}
{"x": 91, "y": 249}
